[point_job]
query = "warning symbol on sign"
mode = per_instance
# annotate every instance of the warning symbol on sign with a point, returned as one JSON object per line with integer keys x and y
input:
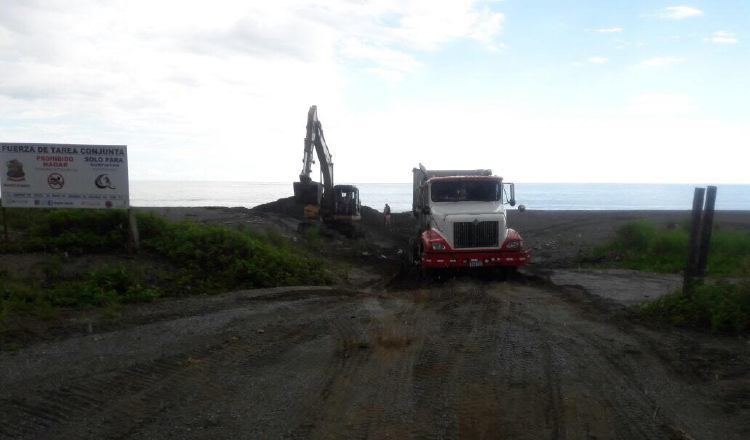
{"x": 55, "y": 181}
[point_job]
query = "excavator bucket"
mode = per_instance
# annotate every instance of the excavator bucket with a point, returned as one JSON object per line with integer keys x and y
{"x": 308, "y": 193}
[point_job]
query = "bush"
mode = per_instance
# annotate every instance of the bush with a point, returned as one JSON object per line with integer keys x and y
{"x": 200, "y": 258}
{"x": 721, "y": 307}
{"x": 228, "y": 258}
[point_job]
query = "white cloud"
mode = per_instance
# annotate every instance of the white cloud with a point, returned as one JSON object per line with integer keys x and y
{"x": 598, "y": 60}
{"x": 425, "y": 25}
{"x": 176, "y": 78}
{"x": 612, "y": 30}
{"x": 661, "y": 104}
{"x": 723, "y": 37}
{"x": 387, "y": 59}
{"x": 680, "y": 13}
{"x": 660, "y": 61}
{"x": 389, "y": 75}
{"x": 220, "y": 90}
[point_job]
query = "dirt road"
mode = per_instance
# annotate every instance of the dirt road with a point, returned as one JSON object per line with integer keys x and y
{"x": 465, "y": 358}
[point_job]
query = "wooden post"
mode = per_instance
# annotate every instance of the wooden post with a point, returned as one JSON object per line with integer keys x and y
{"x": 706, "y": 228}
{"x": 693, "y": 247}
{"x": 133, "y": 236}
{"x": 5, "y": 223}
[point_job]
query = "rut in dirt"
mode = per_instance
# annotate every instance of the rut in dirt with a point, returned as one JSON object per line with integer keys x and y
{"x": 463, "y": 358}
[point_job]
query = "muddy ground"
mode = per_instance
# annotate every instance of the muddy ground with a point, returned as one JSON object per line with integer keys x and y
{"x": 549, "y": 353}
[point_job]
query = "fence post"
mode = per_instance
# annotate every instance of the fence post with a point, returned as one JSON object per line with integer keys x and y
{"x": 706, "y": 229}
{"x": 5, "y": 222}
{"x": 133, "y": 235}
{"x": 5, "y": 226}
{"x": 694, "y": 246}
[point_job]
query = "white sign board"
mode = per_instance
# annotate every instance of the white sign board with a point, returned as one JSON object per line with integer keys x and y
{"x": 64, "y": 176}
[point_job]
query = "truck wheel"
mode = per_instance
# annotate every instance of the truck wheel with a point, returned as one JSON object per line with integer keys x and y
{"x": 413, "y": 252}
{"x": 407, "y": 258}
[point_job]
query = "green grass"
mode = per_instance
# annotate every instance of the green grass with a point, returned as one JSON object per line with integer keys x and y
{"x": 721, "y": 308}
{"x": 175, "y": 259}
{"x": 105, "y": 286}
{"x": 644, "y": 246}
{"x": 76, "y": 232}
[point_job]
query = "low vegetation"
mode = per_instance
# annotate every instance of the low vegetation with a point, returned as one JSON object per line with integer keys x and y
{"x": 175, "y": 259}
{"x": 721, "y": 304}
{"x": 722, "y": 307}
{"x": 644, "y": 246}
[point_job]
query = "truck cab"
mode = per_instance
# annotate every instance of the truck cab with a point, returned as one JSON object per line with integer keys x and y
{"x": 462, "y": 220}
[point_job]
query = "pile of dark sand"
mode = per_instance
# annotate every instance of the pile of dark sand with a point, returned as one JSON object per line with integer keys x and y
{"x": 401, "y": 223}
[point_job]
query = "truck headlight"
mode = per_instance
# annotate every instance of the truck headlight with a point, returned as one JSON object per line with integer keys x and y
{"x": 513, "y": 245}
{"x": 438, "y": 247}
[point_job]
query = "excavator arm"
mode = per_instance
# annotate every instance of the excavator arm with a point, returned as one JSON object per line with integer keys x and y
{"x": 316, "y": 140}
{"x": 307, "y": 191}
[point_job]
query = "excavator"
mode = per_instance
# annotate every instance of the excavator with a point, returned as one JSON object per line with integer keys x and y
{"x": 337, "y": 205}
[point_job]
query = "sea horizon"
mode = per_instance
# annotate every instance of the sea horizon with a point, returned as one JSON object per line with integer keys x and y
{"x": 543, "y": 196}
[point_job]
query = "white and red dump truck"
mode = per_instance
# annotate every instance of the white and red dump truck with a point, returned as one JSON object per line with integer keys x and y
{"x": 462, "y": 220}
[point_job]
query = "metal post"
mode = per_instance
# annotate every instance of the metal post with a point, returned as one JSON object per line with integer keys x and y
{"x": 706, "y": 229}
{"x": 693, "y": 249}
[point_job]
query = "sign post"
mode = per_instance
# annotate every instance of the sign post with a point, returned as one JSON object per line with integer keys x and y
{"x": 5, "y": 222}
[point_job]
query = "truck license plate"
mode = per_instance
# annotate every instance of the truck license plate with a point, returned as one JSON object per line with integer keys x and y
{"x": 475, "y": 263}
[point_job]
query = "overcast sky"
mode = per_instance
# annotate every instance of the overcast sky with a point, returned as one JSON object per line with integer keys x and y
{"x": 539, "y": 91}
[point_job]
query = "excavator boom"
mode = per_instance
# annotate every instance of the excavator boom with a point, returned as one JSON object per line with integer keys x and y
{"x": 306, "y": 190}
{"x": 315, "y": 139}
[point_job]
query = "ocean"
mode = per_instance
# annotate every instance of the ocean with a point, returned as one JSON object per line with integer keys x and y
{"x": 544, "y": 196}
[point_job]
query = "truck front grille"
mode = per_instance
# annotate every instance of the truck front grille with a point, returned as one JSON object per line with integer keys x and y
{"x": 473, "y": 235}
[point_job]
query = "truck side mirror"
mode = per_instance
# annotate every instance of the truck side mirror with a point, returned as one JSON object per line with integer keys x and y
{"x": 512, "y": 198}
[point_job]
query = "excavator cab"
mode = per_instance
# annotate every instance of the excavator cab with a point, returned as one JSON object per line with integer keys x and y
{"x": 346, "y": 204}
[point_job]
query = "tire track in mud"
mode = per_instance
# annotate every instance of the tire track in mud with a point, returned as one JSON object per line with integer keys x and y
{"x": 478, "y": 387}
{"x": 529, "y": 388}
{"x": 554, "y": 413}
{"x": 365, "y": 394}
{"x": 650, "y": 396}
{"x": 463, "y": 359}
{"x": 464, "y": 373}
{"x": 599, "y": 386}
{"x": 644, "y": 405}
{"x": 45, "y": 413}
{"x": 436, "y": 372}
{"x": 351, "y": 352}
{"x": 123, "y": 400}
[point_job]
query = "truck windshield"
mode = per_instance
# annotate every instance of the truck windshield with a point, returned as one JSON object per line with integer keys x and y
{"x": 466, "y": 191}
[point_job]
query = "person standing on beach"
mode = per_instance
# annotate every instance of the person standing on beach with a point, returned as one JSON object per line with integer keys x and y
{"x": 387, "y": 215}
